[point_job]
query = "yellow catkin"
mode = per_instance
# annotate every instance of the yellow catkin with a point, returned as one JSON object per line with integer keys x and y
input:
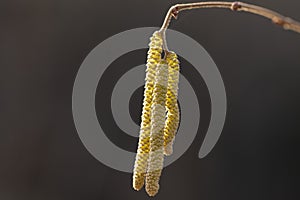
{"x": 141, "y": 161}
{"x": 172, "y": 121}
{"x": 158, "y": 115}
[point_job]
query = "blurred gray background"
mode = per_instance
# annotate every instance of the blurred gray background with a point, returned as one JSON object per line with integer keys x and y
{"x": 42, "y": 45}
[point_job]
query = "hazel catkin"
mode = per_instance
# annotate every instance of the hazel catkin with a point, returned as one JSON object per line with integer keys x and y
{"x": 172, "y": 121}
{"x": 141, "y": 161}
{"x": 158, "y": 115}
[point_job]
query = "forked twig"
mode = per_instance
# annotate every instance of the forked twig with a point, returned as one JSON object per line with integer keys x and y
{"x": 286, "y": 22}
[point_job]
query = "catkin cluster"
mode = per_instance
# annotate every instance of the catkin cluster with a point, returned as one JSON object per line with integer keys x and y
{"x": 160, "y": 116}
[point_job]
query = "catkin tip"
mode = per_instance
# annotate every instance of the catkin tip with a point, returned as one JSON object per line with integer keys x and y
{"x": 151, "y": 192}
{"x": 138, "y": 187}
{"x": 152, "y": 189}
{"x": 168, "y": 150}
{"x": 138, "y": 181}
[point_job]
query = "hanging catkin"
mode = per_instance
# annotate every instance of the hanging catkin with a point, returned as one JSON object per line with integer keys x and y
{"x": 153, "y": 58}
{"x": 158, "y": 115}
{"x": 172, "y": 121}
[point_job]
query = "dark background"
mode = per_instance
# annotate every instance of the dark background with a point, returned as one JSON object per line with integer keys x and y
{"x": 42, "y": 45}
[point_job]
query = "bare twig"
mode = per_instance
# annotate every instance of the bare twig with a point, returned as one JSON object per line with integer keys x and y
{"x": 285, "y": 22}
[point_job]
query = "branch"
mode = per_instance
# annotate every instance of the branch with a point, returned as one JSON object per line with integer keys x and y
{"x": 285, "y": 22}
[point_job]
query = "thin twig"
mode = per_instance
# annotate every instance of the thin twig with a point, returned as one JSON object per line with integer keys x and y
{"x": 285, "y": 22}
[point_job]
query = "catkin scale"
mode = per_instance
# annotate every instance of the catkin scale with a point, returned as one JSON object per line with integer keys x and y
{"x": 172, "y": 120}
{"x": 141, "y": 161}
{"x": 158, "y": 115}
